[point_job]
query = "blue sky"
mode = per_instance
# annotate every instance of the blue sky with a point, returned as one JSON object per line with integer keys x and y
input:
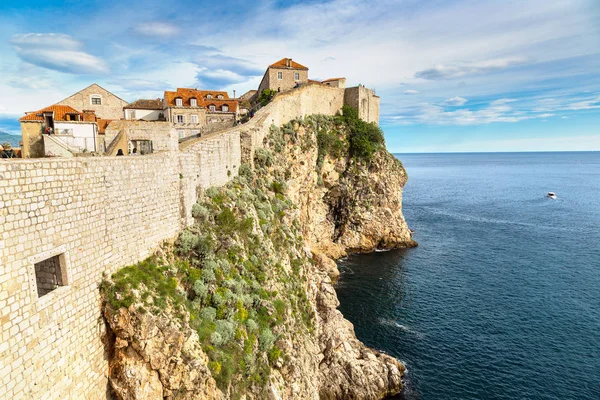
{"x": 453, "y": 75}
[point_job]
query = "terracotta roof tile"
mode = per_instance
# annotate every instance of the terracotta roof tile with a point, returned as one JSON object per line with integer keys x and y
{"x": 283, "y": 64}
{"x": 59, "y": 111}
{"x": 143, "y": 104}
{"x": 102, "y": 124}
{"x": 200, "y": 95}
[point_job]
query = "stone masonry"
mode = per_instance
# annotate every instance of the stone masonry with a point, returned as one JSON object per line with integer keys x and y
{"x": 111, "y": 106}
{"x": 91, "y": 216}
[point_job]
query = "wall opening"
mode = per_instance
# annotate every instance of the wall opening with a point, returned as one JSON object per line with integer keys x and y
{"x": 50, "y": 274}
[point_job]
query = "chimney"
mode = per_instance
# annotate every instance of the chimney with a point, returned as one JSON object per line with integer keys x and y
{"x": 89, "y": 115}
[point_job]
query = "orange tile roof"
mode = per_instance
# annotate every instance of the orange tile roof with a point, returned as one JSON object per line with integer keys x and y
{"x": 187, "y": 94}
{"x": 102, "y": 124}
{"x": 59, "y": 113}
{"x": 283, "y": 64}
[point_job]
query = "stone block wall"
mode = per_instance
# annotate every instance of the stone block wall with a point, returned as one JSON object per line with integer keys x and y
{"x": 365, "y": 101}
{"x": 162, "y": 135}
{"x": 33, "y": 144}
{"x": 97, "y": 215}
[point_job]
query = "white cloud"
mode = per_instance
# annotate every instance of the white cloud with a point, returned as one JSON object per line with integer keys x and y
{"x": 156, "y": 28}
{"x": 57, "y": 52}
{"x": 455, "y": 101}
{"x": 411, "y": 91}
{"x": 585, "y": 104}
{"x": 442, "y": 71}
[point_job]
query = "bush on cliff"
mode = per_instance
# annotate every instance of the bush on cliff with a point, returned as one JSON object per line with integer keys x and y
{"x": 235, "y": 275}
{"x": 266, "y": 96}
{"x": 365, "y": 138}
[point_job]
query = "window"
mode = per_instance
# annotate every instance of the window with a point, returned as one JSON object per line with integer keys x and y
{"x": 178, "y": 102}
{"x": 296, "y": 76}
{"x": 194, "y": 119}
{"x": 225, "y": 107}
{"x": 180, "y": 119}
{"x": 131, "y": 114}
{"x": 96, "y": 99}
{"x": 193, "y": 103}
{"x": 209, "y": 96}
{"x": 50, "y": 274}
{"x": 212, "y": 107}
{"x": 181, "y": 133}
{"x": 220, "y": 96}
{"x": 280, "y": 75}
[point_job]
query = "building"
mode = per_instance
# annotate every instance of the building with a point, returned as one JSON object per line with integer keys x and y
{"x": 94, "y": 97}
{"x": 283, "y": 75}
{"x": 335, "y": 82}
{"x": 59, "y": 130}
{"x": 145, "y": 110}
{"x": 194, "y": 112}
{"x": 365, "y": 101}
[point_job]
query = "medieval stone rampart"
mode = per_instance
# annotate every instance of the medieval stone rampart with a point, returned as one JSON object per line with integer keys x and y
{"x": 64, "y": 222}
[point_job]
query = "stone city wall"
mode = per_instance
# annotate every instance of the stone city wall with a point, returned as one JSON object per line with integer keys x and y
{"x": 97, "y": 215}
{"x": 91, "y": 216}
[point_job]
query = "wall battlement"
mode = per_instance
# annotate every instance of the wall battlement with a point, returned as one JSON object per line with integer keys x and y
{"x": 70, "y": 220}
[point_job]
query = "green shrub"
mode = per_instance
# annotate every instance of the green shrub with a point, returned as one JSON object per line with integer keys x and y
{"x": 266, "y": 96}
{"x": 263, "y": 158}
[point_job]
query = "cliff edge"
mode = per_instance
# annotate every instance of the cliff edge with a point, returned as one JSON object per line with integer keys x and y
{"x": 242, "y": 304}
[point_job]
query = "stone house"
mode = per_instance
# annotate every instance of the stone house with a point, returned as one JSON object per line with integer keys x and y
{"x": 194, "y": 112}
{"x": 283, "y": 75}
{"x": 94, "y": 97}
{"x": 59, "y": 130}
{"x": 335, "y": 82}
{"x": 145, "y": 110}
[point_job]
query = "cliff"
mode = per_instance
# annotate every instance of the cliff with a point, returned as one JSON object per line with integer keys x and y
{"x": 242, "y": 305}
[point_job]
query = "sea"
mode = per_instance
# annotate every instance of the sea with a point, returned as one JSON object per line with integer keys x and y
{"x": 501, "y": 299}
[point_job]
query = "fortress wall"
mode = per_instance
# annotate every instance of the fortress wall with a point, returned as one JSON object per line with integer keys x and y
{"x": 306, "y": 100}
{"x": 97, "y": 215}
{"x": 212, "y": 161}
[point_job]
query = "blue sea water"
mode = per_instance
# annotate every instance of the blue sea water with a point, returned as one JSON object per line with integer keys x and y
{"x": 501, "y": 300}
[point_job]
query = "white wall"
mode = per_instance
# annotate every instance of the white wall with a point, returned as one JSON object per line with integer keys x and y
{"x": 83, "y": 134}
{"x": 146, "y": 115}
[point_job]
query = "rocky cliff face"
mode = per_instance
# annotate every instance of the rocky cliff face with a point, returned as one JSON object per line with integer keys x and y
{"x": 243, "y": 305}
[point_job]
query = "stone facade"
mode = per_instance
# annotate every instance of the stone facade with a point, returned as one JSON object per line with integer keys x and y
{"x": 160, "y": 133}
{"x": 33, "y": 143}
{"x": 97, "y": 215}
{"x": 110, "y": 107}
{"x": 283, "y": 75}
{"x": 187, "y": 128}
{"x": 365, "y": 101}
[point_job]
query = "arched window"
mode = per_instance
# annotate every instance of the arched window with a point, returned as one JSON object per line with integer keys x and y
{"x": 209, "y": 96}
{"x": 212, "y": 107}
{"x": 193, "y": 103}
{"x": 220, "y": 96}
{"x": 179, "y": 102}
{"x": 225, "y": 107}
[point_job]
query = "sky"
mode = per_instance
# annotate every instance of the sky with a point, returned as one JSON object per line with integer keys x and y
{"x": 453, "y": 75}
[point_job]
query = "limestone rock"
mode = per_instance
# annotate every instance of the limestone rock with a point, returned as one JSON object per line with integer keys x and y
{"x": 154, "y": 359}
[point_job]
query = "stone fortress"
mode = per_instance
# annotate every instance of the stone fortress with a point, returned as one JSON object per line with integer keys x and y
{"x": 66, "y": 221}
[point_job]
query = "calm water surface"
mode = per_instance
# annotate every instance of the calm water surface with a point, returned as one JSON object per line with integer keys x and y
{"x": 501, "y": 300}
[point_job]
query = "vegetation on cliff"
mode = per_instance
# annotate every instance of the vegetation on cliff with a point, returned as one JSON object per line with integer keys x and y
{"x": 238, "y": 276}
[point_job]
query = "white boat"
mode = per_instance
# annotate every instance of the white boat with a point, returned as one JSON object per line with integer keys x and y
{"x": 551, "y": 195}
